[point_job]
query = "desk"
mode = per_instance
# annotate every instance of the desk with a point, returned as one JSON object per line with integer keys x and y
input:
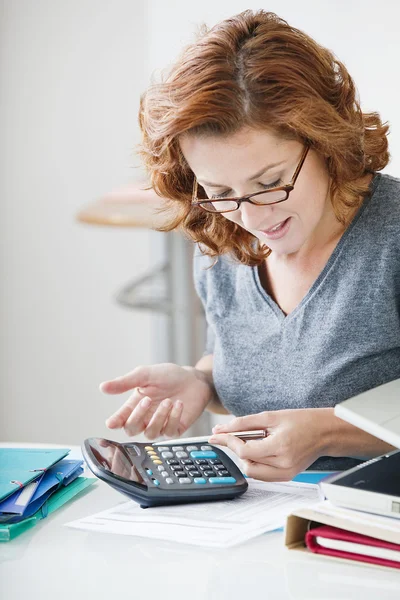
{"x": 53, "y": 561}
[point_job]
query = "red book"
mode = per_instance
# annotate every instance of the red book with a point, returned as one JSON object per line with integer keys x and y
{"x": 333, "y": 541}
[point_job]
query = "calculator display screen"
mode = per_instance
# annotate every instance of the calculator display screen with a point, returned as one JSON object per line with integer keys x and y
{"x": 114, "y": 458}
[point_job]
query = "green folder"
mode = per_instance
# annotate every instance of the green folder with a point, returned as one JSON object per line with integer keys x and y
{"x": 20, "y": 466}
{"x": 56, "y": 500}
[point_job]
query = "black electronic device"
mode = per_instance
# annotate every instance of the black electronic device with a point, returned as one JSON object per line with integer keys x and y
{"x": 373, "y": 486}
{"x": 169, "y": 473}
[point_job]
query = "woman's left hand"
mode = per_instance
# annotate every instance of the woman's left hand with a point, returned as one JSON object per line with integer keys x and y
{"x": 295, "y": 439}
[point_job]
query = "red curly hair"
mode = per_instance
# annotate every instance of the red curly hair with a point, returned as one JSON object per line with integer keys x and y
{"x": 255, "y": 70}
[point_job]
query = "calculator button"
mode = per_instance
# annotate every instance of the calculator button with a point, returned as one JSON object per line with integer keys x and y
{"x": 199, "y": 480}
{"x": 169, "y": 480}
{"x": 194, "y": 474}
{"x": 149, "y": 471}
{"x": 218, "y": 467}
{"x": 201, "y": 462}
{"x": 151, "y": 453}
{"x": 185, "y": 480}
{"x": 223, "y": 480}
{"x": 209, "y": 473}
{"x": 205, "y": 467}
{"x": 215, "y": 461}
{"x": 161, "y": 448}
{"x": 203, "y": 454}
{"x": 172, "y": 461}
{"x": 177, "y": 448}
{"x": 176, "y": 468}
{"x": 156, "y": 482}
{"x": 205, "y": 448}
{"x": 148, "y": 448}
{"x": 164, "y": 473}
{"x": 156, "y": 461}
{"x": 161, "y": 467}
{"x": 180, "y": 474}
{"x": 181, "y": 454}
{"x": 186, "y": 461}
{"x": 223, "y": 473}
{"x": 167, "y": 454}
{"x": 190, "y": 448}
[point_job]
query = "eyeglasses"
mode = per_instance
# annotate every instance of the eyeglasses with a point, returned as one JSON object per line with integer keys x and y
{"x": 272, "y": 196}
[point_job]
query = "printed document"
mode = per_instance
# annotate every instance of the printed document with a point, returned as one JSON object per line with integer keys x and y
{"x": 219, "y": 524}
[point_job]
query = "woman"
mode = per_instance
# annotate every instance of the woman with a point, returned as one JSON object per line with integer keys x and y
{"x": 258, "y": 140}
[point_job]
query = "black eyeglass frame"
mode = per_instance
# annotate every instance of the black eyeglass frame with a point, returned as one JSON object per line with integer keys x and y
{"x": 289, "y": 187}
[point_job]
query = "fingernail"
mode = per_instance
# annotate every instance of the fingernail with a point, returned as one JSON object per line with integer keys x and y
{"x": 166, "y": 403}
{"x": 217, "y": 427}
{"x": 140, "y": 390}
{"x": 145, "y": 402}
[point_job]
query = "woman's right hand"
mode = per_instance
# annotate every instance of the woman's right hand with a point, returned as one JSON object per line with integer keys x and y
{"x": 166, "y": 400}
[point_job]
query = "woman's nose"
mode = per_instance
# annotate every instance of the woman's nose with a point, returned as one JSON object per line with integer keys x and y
{"x": 253, "y": 216}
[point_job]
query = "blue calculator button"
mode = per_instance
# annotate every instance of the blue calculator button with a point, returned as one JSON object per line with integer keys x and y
{"x": 199, "y": 480}
{"x": 149, "y": 471}
{"x": 203, "y": 454}
{"x": 223, "y": 480}
{"x": 156, "y": 482}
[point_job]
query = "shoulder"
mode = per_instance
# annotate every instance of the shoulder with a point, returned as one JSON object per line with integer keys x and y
{"x": 214, "y": 276}
{"x": 386, "y": 195}
{"x": 381, "y": 218}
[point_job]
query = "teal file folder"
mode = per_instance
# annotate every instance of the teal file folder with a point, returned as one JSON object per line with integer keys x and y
{"x": 58, "y": 499}
{"x": 20, "y": 466}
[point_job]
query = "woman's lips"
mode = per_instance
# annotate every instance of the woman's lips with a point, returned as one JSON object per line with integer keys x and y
{"x": 277, "y": 231}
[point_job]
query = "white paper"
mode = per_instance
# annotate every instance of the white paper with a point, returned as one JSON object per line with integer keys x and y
{"x": 220, "y": 524}
{"x": 356, "y": 516}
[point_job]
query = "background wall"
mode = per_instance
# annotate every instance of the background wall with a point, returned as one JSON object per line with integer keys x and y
{"x": 71, "y": 74}
{"x": 70, "y": 78}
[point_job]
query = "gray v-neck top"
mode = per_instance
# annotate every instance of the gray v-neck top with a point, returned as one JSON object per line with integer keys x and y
{"x": 342, "y": 339}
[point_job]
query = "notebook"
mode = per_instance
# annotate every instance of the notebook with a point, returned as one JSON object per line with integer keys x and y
{"x": 340, "y": 543}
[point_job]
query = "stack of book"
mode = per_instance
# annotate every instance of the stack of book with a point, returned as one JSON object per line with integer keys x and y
{"x": 346, "y": 534}
{"x": 33, "y": 484}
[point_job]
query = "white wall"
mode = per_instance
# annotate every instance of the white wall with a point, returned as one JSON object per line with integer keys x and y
{"x": 71, "y": 74}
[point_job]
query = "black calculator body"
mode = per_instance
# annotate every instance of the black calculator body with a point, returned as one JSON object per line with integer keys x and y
{"x": 162, "y": 474}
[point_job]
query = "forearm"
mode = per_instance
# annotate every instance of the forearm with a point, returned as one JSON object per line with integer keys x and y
{"x": 343, "y": 439}
{"x": 204, "y": 369}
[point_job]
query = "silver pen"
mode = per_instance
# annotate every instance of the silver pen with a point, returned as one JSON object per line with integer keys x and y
{"x": 256, "y": 434}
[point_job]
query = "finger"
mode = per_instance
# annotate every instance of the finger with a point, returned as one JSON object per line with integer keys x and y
{"x": 246, "y": 423}
{"x": 153, "y": 429}
{"x": 172, "y": 425}
{"x": 230, "y": 441}
{"x": 251, "y": 450}
{"x": 266, "y": 472}
{"x": 140, "y": 416}
{"x": 119, "y": 418}
{"x": 139, "y": 377}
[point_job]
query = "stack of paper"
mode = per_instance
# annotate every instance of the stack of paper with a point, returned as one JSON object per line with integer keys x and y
{"x": 33, "y": 483}
{"x": 221, "y": 524}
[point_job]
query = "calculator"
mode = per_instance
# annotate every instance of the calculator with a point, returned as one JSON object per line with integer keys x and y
{"x": 156, "y": 475}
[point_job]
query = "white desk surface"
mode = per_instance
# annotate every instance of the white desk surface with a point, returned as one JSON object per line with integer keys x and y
{"x": 53, "y": 561}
